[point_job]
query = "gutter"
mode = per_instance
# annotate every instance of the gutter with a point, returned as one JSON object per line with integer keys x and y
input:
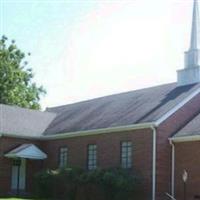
{"x": 185, "y": 139}
{"x": 82, "y": 133}
{"x": 154, "y": 164}
{"x": 19, "y": 136}
{"x": 97, "y": 131}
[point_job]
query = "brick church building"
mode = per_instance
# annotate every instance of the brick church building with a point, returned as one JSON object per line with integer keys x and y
{"x": 155, "y": 131}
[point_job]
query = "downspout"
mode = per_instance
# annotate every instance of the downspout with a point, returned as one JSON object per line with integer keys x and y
{"x": 154, "y": 164}
{"x": 172, "y": 168}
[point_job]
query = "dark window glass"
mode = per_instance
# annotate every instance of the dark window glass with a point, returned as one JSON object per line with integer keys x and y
{"x": 63, "y": 157}
{"x": 126, "y": 154}
{"x": 92, "y": 156}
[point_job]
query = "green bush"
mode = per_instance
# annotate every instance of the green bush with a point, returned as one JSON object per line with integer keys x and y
{"x": 77, "y": 184}
{"x": 44, "y": 184}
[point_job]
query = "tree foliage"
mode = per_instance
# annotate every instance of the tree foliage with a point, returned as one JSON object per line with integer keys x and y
{"x": 16, "y": 85}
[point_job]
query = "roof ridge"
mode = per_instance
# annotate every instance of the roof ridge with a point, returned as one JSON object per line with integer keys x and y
{"x": 48, "y": 109}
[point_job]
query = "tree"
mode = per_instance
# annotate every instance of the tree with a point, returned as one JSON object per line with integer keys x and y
{"x": 16, "y": 85}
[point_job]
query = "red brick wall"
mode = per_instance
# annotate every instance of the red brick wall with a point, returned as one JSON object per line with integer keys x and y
{"x": 187, "y": 158}
{"x": 166, "y": 130}
{"x": 108, "y": 146}
{"x": 7, "y": 144}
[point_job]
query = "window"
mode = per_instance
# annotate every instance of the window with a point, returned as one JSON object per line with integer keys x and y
{"x": 126, "y": 154}
{"x": 92, "y": 156}
{"x": 16, "y": 162}
{"x": 63, "y": 157}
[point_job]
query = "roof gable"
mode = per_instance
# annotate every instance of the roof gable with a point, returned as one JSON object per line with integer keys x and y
{"x": 28, "y": 151}
{"x": 190, "y": 129}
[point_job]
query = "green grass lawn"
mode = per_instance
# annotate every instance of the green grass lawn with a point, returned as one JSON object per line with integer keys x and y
{"x": 13, "y": 199}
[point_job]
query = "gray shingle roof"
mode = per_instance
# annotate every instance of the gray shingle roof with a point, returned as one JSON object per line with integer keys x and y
{"x": 134, "y": 107}
{"x": 23, "y": 122}
{"x": 139, "y": 106}
{"x": 190, "y": 129}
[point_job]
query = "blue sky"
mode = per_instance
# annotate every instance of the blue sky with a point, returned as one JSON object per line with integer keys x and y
{"x": 83, "y": 49}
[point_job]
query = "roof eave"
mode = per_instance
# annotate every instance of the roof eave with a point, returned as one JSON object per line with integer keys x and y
{"x": 18, "y": 136}
{"x": 83, "y": 133}
{"x": 98, "y": 131}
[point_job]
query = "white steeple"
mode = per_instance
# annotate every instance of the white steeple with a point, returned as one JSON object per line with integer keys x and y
{"x": 195, "y": 39}
{"x": 191, "y": 73}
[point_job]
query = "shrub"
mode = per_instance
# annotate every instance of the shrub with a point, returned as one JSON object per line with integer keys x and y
{"x": 44, "y": 184}
{"x": 77, "y": 184}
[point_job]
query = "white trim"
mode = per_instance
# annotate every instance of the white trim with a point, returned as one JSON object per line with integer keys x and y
{"x": 97, "y": 131}
{"x": 177, "y": 107}
{"x": 154, "y": 164}
{"x": 185, "y": 139}
{"x": 24, "y": 156}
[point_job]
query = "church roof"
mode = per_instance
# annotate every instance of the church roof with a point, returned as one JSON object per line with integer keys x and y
{"x": 134, "y": 107}
{"x": 190, "y": 129}
{"x": 18, "y": 121}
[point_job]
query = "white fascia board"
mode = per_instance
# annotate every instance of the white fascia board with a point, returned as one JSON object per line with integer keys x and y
{"x": 185, "y": 139}
{"x": 9, "y": 155}
{"x": 34, "y": 157}
{"x": 97, "y": 131}
{"x": 25, "y": 156}
{"x": 177, "y": 107}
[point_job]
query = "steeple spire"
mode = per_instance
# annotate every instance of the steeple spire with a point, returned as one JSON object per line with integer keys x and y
{"x": 192, "y": 57}
{"x": 195, "y": 34}
{"x": 191, "y": 73}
